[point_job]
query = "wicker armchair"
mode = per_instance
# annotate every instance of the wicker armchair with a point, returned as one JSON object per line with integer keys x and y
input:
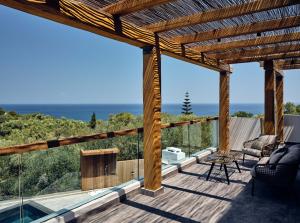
{"x": 280, "y": 169}
{"x": 260, "y": 147}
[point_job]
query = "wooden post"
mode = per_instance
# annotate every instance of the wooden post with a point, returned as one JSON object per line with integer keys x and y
{"x": 152, "y": 122}
{"x": 269, "y": 122}
{"x": 224, "y": 117}
{"x": 279, "y": 106}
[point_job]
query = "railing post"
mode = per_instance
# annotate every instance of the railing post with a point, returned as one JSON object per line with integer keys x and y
{"x": 224, "y": 117}
{"x": 152, "y": 121}
{"x": 189, "y": 140}
{"x": 269, "y": 121}
{"x": 138, "y": 155}
{"x": 279, "y": 104}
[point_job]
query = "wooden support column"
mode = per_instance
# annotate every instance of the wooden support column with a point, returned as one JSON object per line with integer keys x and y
{"x": 269, "y": 122}
{"x": 279, "y": 106}
{"x": 152, "y": 121}
{"x": 224, "y": 117}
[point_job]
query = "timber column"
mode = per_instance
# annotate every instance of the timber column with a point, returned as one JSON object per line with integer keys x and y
{"x": 269, "y": 122}
{"x": 279, "y": 105}
{"x": 224, "y": 118}
{"x": 152, "y": 121}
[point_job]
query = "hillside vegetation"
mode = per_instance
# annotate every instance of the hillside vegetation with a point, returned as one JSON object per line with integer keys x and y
{"x": 58, "y": 169}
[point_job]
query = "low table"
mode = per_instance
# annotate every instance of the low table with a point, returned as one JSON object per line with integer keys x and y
{"x": 222, "y": 159}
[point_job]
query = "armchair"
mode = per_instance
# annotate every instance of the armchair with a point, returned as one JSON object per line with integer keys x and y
{"x": 260, "y": 147}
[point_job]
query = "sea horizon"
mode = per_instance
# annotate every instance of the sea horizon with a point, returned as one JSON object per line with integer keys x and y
{"x": 83, "y": 112}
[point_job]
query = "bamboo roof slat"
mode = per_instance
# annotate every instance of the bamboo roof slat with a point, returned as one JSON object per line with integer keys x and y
{"x": 125, "y": 7}
{"x": 264, "y": 57}
{"x": 240, "y": 30}
{"x": 256, "y": 52}
{"x": 218, "y": 14}
{"x": 190, "y": 30}
{"x": 88, "y": 16}
{"x": 90, "y": 13}
{"x": 259, "y": 41}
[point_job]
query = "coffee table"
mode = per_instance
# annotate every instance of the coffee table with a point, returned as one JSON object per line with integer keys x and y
{"x": 223, "y": 159}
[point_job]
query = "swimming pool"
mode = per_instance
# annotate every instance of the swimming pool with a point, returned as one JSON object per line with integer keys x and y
{"x": 31, "y": 211}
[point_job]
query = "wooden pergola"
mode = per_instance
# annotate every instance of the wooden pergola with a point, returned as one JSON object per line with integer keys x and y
{"x": 211, "y": 34}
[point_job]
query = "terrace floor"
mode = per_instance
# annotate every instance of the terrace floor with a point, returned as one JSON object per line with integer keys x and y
{"x": 188, "y": 197}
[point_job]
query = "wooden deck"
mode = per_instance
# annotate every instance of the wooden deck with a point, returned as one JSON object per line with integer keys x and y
{"x": 188, "y": 197}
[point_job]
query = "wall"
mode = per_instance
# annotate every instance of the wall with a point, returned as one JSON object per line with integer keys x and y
{"x": 243, "y": 129}
{"x": 292, "y": 128}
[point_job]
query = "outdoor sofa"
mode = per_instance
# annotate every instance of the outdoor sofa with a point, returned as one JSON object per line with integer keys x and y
{"x": 280, "y": 169}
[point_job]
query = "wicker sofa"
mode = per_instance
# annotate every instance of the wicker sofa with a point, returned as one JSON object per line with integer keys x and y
{"x": 280, "y": 169}
{"x": 259, "y": 147}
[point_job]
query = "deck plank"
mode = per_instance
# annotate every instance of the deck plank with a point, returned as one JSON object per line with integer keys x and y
{"x": 188, "y": 197}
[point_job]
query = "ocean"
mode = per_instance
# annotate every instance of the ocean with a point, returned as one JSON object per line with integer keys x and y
{"x": 84, "y": 111}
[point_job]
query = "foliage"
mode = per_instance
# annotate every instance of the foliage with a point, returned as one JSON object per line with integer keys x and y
{"x": 291, "y": 108}
{"x": 93, "y": 121}
{"x": 58, "y": 169}
{"x": 2, "y": 112}
{"x": 187, "y": 107}
{"x": 242, "y": 114}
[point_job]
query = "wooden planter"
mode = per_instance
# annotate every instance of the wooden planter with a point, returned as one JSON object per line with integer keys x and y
{"x": 98, "y": 168}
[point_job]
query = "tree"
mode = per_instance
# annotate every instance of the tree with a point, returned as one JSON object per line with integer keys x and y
{"x": 187, "y": 107}
{"x": 298, "y": 109}
{"x": 290, "y": 108}
{"x": 242, "y": 114}
{"x": 2, "y": 111}
{"x": 93, "y": 121}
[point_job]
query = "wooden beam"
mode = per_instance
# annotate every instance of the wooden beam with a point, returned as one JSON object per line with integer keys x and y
{"x": 289, "y": 37}
{"x": 125, "y": 7}
{"x": 288, "y": 62}
{"x": 152, "y": 125}
{"x": 279, "y": 106}
{"x": 264, "y": 57}
{"x": 290, "y": 67}
{"x": 224, "y": 117}
{"x": 218, "y": 14}
{"x": 256, "y": 52}
{"x": 264, "y": 26}
{"x": 104, "y": 24}
{"x": 269, "y": 121}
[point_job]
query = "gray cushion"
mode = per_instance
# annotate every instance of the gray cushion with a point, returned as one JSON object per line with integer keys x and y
{"x": 258, "y": 145}
{"x": 264, "y": 160}
{"x": 252, "y": 152}
{"x": 292, "y": 156}
{"x": 276, "y": 156}
{"x": 268, "y": 139}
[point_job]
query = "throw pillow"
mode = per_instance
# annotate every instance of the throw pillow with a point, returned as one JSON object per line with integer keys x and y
{"x": 276, "y": 156}
{"x": 257, "y": 145}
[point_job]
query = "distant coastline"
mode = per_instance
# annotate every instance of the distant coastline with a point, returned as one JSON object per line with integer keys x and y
{"x": 84, "y": 111}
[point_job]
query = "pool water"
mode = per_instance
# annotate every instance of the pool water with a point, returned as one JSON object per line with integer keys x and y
{"x": 30, "y": 213}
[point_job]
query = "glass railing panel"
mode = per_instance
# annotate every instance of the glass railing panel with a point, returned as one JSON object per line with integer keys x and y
{"x": 51, "y": 179}
{"x": 10, "y": 188}
{"x": 66, "y": 177}
{"x": 140, "y": 154}
{"x": 203, "y": 135}
{"x": 215, "y": 133}
{"x": 175, "y": 144}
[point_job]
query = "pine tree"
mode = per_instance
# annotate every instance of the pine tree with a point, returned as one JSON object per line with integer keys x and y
{"x": 187, "y": 107}
{"x": 93, "y": 121}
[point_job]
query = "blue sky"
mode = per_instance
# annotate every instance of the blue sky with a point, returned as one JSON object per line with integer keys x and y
{"x": 45, "y": 62}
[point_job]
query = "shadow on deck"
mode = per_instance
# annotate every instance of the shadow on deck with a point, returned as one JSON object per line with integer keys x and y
{"x": 188, "y": 197}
